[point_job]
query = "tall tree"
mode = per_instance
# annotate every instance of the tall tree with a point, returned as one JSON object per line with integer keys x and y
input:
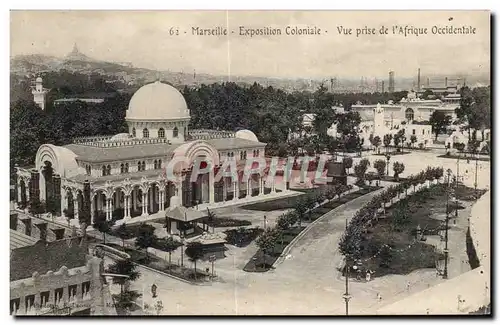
{"x": 123, "y": 267}
{"x": 439, "y": 121}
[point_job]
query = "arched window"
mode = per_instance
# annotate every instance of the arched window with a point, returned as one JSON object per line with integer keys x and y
{"x": 103, "y": 170}
{"x": 175, "y": 132}
{"x": 155, "y": 164}
{"x": 126, "y": 167}
{"x": 244, "y": 155}
{"x": 161, "y": 133}
{"x": 145, "y": 133}
{"x": 185, "y": 133}
{"x": 108, "y": 170}
{"x": 258, "y": 153}
{"x": 133, "y": 132}
{"x": 143, "y": 165}
{"x": 159, "y": 163}
{"x": 241, "y": 155}
{"x": 409, "y": 114}
{"x": 89, "y": 169}
{"x": 122, "y": 168}
{"x": 139, "y": 166}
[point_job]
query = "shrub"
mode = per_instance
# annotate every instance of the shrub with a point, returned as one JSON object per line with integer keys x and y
{"x": 380, "y": 166}
{"x": 398, "y": 168}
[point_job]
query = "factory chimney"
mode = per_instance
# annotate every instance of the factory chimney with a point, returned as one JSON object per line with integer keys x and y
{"x": 418, "y": 80}
{"x": 446, "y": 82}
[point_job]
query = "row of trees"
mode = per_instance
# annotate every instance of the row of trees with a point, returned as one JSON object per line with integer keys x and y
{"x": 366, "y": 217}
{"x": 360, "y": 170}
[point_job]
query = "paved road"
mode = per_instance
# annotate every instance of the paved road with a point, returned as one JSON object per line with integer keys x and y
{"x": 308, "y": 282}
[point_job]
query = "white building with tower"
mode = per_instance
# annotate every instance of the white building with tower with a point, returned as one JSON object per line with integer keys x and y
{"x": 377, "y": 124}
{"x": 39, "y": 93}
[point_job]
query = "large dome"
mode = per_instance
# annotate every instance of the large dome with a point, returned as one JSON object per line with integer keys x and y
{"x": 157, "y": 101}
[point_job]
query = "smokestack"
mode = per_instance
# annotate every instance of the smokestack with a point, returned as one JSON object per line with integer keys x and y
{"x": 391, "y": 81}
{"x": 418, "y": 80}
{"x": 383, "y": 86}
{"x": 428, "y": 82}
{"x": 446, "y": 82}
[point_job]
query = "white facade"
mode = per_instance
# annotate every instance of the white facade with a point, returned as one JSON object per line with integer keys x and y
{"x": 410, "y": 109}
{"x": 380, "y": 126}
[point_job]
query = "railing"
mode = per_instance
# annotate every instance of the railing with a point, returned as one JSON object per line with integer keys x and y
{"x": 205, "y": 134}
{"x": 106, "y": 143}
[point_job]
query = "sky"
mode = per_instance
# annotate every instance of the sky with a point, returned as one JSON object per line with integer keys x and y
{"x": 143, "y": 38}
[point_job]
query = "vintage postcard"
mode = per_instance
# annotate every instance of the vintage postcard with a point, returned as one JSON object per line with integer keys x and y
{"x": 250, "y": 163}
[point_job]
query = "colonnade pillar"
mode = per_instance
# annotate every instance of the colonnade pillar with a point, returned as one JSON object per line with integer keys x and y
{"x": 162, "y": 200}
{"x": 75, "y": 207}
{"x": 211, "y": 187}
{"x": 127, "y": 207}
{"x": 235, "y": 191}
{"x": 144, "y": 204}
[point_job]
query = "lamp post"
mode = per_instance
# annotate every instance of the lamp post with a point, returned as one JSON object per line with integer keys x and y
{"x": 388, "y": 157}
{"x": 456, "y": 187}
{"x": 182, "y": 249}
{"x": 475, "y": 177}
{"x": 265, "y": 223}
{"x": 445, "y": 271}
{"x": 346, "y": 295}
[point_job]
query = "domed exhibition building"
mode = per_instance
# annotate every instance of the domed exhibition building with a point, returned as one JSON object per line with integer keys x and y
{"x": 123, "y": 176}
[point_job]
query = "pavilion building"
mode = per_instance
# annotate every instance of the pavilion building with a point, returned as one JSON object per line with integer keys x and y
{"x": 122, "y": 176}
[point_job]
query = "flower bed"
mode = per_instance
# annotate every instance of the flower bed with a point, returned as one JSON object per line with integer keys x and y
{"x": 242, "y": 237}
{"x": 221, "y": 222}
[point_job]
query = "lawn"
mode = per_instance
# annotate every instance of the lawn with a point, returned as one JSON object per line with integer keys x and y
{"x": 130, "y": 233}
{"x": 284, "y": 203}
{"x": 221, "y": 222}
{"x": 242, "y": 237}
{"x": 156, "y": 263}
{"x": 471, "y": 159}
{"x": 261, "y": 262}
{"x": 406, "y": 254}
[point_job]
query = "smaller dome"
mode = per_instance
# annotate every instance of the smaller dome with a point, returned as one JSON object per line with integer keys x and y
{"x": 39, "y": 79}
{"x": 247, "y": 135}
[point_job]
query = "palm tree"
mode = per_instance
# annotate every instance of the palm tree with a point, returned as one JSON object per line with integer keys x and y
{"x": 211, "y": 219}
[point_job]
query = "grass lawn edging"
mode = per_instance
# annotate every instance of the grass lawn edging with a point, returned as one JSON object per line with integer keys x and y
{"x": 169, "y": 275}
{"x": 287, "y": 249}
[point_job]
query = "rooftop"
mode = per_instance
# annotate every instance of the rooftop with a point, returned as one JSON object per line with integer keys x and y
{"x": 18, "y": 239}
{"x": 122, "y": 150}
